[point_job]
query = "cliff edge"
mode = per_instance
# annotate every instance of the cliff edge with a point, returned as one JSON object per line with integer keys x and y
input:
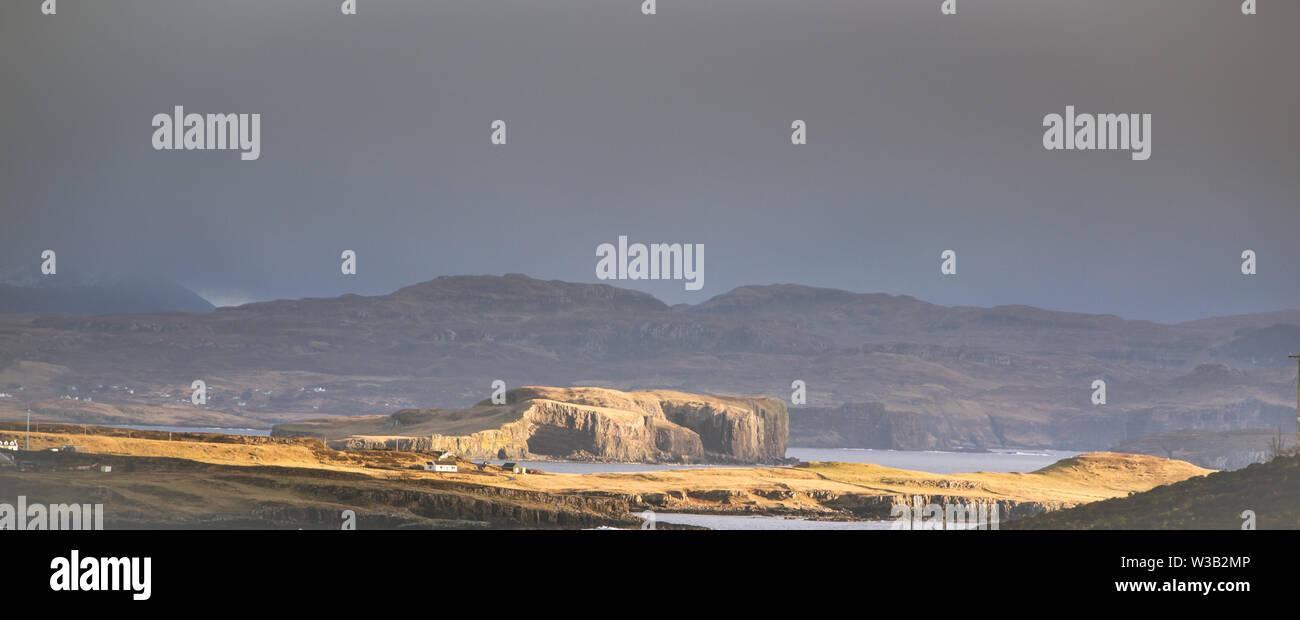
{"x": 581, "y": 423}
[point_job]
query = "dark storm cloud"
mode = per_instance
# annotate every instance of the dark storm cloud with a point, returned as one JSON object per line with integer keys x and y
{"x": 924, "y": 134}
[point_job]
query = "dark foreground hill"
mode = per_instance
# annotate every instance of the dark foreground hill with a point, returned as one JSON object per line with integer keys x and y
{"x": 1213, "y": 502}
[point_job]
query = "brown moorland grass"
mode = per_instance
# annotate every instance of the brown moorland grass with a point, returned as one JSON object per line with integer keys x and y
{"x": 806, "y": 488}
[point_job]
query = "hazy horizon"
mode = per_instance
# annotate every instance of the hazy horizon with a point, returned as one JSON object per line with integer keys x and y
{"x": 622, "y": 284}
{"x": 924, "y": 134}
{"x": 232, "y": 303}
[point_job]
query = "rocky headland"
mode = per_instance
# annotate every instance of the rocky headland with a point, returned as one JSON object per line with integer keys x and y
{"x": 582, "y": 423}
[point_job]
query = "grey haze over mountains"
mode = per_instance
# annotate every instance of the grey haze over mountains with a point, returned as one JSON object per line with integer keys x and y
{"x": 96, "y": 294}
{"x": 882, "y": 371}
{"x": 924, "y": 135}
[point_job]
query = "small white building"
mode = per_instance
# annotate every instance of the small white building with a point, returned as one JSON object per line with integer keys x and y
{"x": 442, "y": 467}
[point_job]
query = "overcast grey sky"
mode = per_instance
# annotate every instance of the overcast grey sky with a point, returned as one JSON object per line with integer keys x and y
{"x": 924, "y": 134}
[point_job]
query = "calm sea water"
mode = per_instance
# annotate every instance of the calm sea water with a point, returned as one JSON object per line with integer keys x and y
{"x": 917, "y": 460}
{"x": 561, "y": 467}
{"x": 731, "y": 522}
{"x": 937, "y": 462}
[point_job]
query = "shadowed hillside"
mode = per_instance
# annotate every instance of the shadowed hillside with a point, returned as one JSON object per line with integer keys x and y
{"x": 1212, "y": 502}
{"x": 1215, "y": 450}
{"x": 881, "y": 371}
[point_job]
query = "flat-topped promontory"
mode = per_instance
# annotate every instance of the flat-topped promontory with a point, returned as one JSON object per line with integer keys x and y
{"x": 578, "y": 423}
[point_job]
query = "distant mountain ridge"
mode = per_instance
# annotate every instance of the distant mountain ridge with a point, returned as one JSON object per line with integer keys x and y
{"x": 99, "y": 296}
{"x": 881, "y": 370}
